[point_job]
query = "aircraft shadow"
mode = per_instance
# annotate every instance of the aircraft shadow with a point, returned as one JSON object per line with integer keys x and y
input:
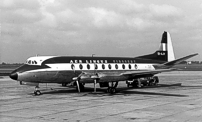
{"x": 120, "y": 91}
{"x": 152, "y": 93}
{"x": 193, "y": 87}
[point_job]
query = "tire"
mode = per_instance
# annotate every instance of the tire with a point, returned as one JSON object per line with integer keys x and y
{"x": 112, "y": 90}
{"x": 156, "y": 80}
{"x": 37, "y": 92}
{"x": 151, "y": 82}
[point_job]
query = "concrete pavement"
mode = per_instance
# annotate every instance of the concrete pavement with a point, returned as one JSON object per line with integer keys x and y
{"x": 178, "y": 98}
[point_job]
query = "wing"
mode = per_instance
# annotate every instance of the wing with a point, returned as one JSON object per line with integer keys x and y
{"x": 147, "y": 72}
{"x": 117, "y": 76}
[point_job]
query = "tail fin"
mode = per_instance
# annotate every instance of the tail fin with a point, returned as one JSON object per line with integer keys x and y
{"x": 165, "y": 52}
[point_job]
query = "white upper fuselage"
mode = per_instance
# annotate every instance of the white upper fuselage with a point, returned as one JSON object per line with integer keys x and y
{"x": 88, "y": 64}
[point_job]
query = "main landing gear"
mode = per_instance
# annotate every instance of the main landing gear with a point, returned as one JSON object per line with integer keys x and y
{"x": 112, "y": 88}
{"x": 37, "y": 91}
{"x": 141, "y": 82}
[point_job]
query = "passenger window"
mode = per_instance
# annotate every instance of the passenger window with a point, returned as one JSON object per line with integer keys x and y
{"x": 123, "y": 66}
{"x": 88, "y": 66}
{"x": 116, "y": 66}
{"x": 109, "y": 66}
{"x": 29, "y": 62}
{"x": 81, "y": 66}
{"x": 129, "y": 66}
{"x": 72, "y": 66}
{"x": 103, "y": 66}
{"x": 135, "y": 66}
{"x": 96, "y": 66}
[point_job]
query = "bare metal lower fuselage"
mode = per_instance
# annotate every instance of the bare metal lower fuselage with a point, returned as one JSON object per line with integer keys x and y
{"x": 67, "y": 76}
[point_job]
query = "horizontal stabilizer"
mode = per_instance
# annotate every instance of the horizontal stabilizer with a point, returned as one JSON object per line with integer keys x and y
{"x": 177, "y": 61}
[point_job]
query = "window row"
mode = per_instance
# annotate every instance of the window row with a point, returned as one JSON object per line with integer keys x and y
{"x": 31, "y": 62}
{"x": 103, "y": 66}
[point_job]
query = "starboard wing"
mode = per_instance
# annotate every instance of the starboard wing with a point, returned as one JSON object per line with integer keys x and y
{"x": 147, "y": 72}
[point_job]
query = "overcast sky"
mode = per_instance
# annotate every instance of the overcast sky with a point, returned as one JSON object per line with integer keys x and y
{"x": 101, "y": 27}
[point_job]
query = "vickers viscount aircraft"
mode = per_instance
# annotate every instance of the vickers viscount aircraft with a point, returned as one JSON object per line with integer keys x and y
{"x": 107, "y": 71}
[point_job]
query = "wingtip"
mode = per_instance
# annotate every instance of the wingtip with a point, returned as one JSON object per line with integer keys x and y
{"x": 195, "y": 54}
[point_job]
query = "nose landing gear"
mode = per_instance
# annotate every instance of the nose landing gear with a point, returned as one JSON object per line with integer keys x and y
{"x": 37, "y": 91}
{"x": 112, "y": 88}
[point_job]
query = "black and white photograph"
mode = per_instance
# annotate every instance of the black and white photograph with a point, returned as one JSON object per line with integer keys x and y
{"x": 100, "y": 61}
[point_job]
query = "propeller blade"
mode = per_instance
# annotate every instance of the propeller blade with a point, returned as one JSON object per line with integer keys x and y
{"x": 95, "y": 82}
{"x": 77, "y": 83}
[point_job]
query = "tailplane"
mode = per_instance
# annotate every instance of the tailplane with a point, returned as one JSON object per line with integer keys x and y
{"x": 165, "y": 52}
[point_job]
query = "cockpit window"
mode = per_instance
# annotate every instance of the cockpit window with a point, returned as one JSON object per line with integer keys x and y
{"x": 29, "y": 62}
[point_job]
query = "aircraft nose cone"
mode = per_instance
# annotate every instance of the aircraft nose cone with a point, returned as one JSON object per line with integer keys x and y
{"x": 14, "y": 76}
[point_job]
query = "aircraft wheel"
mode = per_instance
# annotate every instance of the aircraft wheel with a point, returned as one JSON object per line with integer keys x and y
{"x": 37, "y": 92}
{"x": 151, "y": 82}
{"x": 113, "y": 90}
{"x": 156, "y": 80}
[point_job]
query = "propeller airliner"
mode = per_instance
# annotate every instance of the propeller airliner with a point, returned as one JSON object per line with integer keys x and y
{"x": 105, "y": 71}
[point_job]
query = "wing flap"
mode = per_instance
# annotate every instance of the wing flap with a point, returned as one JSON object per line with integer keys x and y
{"x": 147, "y": 72}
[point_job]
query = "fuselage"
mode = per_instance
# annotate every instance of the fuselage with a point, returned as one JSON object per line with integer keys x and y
{"x": 60, "y": 69}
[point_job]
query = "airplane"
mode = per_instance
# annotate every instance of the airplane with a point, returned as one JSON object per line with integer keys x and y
{"x": 107, "y": 71}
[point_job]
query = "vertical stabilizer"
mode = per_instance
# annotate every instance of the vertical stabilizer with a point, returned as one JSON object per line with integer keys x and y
{"x": 165, "y": 52}
{"x": 166, "y": 46}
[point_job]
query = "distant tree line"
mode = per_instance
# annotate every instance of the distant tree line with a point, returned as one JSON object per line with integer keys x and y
{"x": 191, "y": 62}
{"x": 3, "y": 63}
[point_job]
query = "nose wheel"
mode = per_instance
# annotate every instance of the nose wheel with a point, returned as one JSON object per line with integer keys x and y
{"x": 112, "y": 88}
{"x": 37, "y": 91}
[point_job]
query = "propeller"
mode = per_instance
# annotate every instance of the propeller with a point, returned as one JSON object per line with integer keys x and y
{"x": 77, "y": 79}
{"x": 77, "y": 83}
{"x": 94, "y": 77}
